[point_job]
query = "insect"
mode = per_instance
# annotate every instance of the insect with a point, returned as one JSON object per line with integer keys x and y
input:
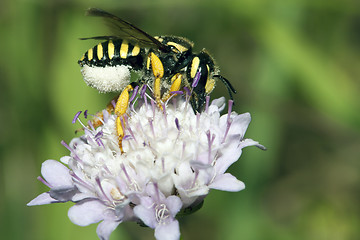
{"x": 166, "y": 64}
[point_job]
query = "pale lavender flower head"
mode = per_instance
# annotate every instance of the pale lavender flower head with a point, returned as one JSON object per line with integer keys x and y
{"x": 172, "y": 158}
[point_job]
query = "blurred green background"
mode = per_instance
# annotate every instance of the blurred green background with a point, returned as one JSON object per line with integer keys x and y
{"x": 295, "y": 64}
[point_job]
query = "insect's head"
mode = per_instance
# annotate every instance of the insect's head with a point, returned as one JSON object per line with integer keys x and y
{"x": 202, "y": 73}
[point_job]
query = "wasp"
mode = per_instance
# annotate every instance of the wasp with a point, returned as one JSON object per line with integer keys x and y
{"x": 166, "y": 64}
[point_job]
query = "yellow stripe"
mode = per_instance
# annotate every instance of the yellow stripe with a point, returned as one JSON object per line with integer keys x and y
{"x": 135, "y": 51}
{"x": 148, "y": 63}
{"x": 178, "y": 46}
{"x": 100, "y": 52}
{"x": 111, "y": 50}
{"x": 159, "y": 38}
{"x": 124, "y": 49}
{"x": 194, "y": 66}
{"x": 90, "y": 54}
{"x": 82, "y": 58}
{"x": 209, "y": 86}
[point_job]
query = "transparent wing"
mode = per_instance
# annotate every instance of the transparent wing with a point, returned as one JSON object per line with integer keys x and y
{"x": 125, "y": 30}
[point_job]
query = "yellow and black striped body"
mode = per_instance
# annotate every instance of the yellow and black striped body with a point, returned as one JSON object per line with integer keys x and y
{"x": 113, "y": 53}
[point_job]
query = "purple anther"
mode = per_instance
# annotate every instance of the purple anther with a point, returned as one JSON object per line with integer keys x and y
{"x": 44, "y": 182}
{"x": 231, "y": 102}
{"x": 113, "y": 103}
{"x": 85, "y": 113}
{"x": 177, "y": 92}
{"x": 99, "y": 135}
{"x": 177, "y": 124}
{"x": 76, "y": 116}
{"x": 132, "y": 134}
{"x": 196, "y": 79}
{"x": 135, "y": 92}
{"x": 187, "y": 91}
{"x": 71, "y": 150}
{"x": 143, "y": 90}
{"x": 126, "y": 137}
{"x": 91, "y": 125}
{"x": 100, "y": 143}
{"x": 125, "y": 172}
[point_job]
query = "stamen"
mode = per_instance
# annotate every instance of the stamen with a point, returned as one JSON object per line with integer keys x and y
{"x": 71, "y": 150}
{"x": 143, "y": 90}
{"x": 135, "y": 92}
{"x": 76, "y": 117}
{"x": 151, "y": 126}
{"x": 86, "y": 113}
{"x": 125, "y": 172}
{"x": 91, "y": 125}
{"x": 230, "y": 108}
{"x": 97, "y": 179}
{"x": 187, "y": 90}
{"x": 44, "y": 182}
{"x": 207, "y": 98}
{"x": 177, "y": 92}
{"x": 161, "y": 213}
{"x": 132, "y": 134}
{"x": 183, "y": 150}
{"x": 195, "y": 178}
{"x": 113, "y": 103}
{"x": 165, "y": 115}
{"x": 163, "y": 164}
{"x": 228, "y": 121}
{"x": 196, "y": 79}
{"x": 126, "y": 137}
{"x": 197, "y": 120}
{"x": 211, "y": 139}
{"x": 153, "y": 107}
{"x": 80, "y": 181}
{"x": 99, "y": 134}
{"x": 177, "y": 124}
{"x": 100, "y": 143}
{"x": 157, "y": 192}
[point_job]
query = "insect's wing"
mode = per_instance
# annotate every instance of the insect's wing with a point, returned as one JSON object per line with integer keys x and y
{"x": 125, "y": 30}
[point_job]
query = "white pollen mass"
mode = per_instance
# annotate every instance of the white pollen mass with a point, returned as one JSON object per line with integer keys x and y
{"x": 106, "y": 79}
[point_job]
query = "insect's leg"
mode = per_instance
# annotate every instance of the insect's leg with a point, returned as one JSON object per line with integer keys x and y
{"x": 175, "y": 86}
{"x": 158, "y": 71}
{"x": 120, "y": 109}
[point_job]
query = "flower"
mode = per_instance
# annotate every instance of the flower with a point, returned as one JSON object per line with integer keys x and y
{"x": 171, "y": 158}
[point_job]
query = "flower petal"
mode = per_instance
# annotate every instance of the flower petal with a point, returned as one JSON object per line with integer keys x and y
{"x": 227, "y": 182}
{"x": 145, "y": 213}
{"x": 170, "y": 231}
{"x": 105, "y": 228}
{"x": 42, "y": 199}
{"x": 56, "y": 174}
{"x": 249, "y": 142}
{"x": 174, "y": 204}
{"x": 87, "y": 212}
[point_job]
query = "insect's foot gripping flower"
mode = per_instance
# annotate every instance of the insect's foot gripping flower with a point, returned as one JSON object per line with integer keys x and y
{"x": 171, "y": 158}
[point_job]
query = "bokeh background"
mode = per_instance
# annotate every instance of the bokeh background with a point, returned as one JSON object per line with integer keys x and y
{"x": 294, "y": 63}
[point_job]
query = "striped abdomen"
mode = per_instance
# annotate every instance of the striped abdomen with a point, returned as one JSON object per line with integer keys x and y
{"x": 113, "y": 53}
